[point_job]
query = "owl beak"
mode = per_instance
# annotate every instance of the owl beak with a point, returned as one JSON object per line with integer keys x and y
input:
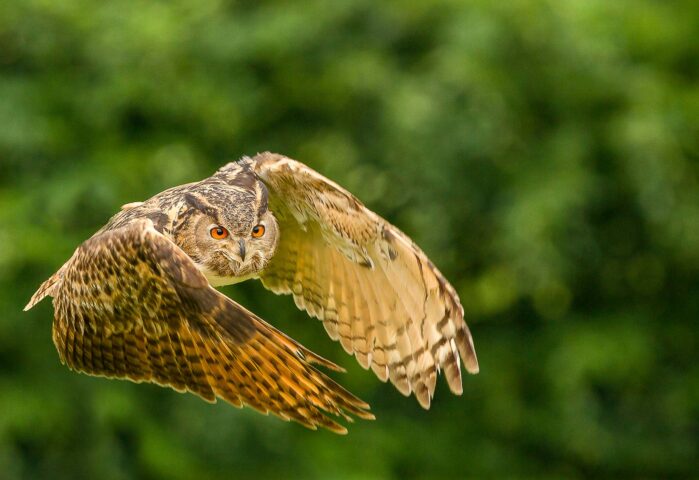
{"x": 241, "y": 244}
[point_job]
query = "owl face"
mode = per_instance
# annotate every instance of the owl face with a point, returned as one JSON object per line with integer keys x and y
{"x": 232, "y": 239}
{"x": 231, "y": 249}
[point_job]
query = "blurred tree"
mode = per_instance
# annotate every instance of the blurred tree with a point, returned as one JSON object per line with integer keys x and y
{"x": 544, "y": 154}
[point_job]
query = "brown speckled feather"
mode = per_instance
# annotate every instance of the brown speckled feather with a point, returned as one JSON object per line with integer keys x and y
{"x": 131, "y": 304}
{"x": 136, "y": 300}
{"x": 374, "y": 289}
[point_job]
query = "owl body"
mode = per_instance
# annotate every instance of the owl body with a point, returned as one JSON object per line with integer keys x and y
{"x": 186, "y": 213}
{"x": 136, "y": 300}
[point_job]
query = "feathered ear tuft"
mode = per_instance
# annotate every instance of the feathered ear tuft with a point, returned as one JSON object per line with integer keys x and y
{"x": 234, "y": 167}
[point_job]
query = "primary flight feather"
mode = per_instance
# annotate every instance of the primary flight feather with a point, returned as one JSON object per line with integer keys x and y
{"x": 136, "y": 301}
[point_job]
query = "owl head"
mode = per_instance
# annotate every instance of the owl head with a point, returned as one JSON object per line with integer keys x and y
{"x": 230, "y": 234}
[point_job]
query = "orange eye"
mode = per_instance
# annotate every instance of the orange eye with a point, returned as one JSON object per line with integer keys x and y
{"x": 258, "y": 231}
{"x": 219, "y": 233}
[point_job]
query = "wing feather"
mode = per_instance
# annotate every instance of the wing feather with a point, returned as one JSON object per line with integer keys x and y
{"x": 130, "y": 304}
{"x": 373, "y": 288}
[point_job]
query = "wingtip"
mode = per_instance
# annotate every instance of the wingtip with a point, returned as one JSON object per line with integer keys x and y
{"x": 364, "y": 414}
{"x": 467, "y": 350}
{"x": 456, "y": 387}
{"x": 425, "y": 403}
{"x": 315, "y": 359}
{"x": 36, "y": 298}
{"x": 471, "y": 363}
{"x": 32, "y": 302}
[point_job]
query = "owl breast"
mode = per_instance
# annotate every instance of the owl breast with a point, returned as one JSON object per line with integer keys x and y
{"x": 217, "y": 280}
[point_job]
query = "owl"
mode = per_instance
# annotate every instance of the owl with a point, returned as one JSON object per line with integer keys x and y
{"x": 137, "y": 300}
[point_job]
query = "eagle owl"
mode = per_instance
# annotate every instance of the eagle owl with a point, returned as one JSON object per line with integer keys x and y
{"x": 136, "y": 300}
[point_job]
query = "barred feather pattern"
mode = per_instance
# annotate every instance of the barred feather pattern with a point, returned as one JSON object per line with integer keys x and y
{"x": 130, "y": 304}
{"x": 373, "y": 288}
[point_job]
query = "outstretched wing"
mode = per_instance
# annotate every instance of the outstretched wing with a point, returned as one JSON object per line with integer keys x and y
{"x": 373, "y": 288}
{"x": 130, "y": 304}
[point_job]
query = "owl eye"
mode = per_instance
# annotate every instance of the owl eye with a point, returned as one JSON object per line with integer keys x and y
{"x": 219, "y": 233}
{"x": 258, "y": 231}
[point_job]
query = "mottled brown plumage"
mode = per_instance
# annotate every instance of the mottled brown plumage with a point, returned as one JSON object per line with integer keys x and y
{"x": 136, "y": 301}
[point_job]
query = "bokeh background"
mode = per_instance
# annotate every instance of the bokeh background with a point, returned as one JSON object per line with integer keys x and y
{"x": 543, "y": 153}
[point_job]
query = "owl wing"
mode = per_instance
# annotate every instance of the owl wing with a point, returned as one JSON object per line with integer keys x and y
{"x": 373, "y": 288}
{"x": 130, "y": 304}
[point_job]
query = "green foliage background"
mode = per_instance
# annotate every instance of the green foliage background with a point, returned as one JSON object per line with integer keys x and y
{"x": 544, "y": 154}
